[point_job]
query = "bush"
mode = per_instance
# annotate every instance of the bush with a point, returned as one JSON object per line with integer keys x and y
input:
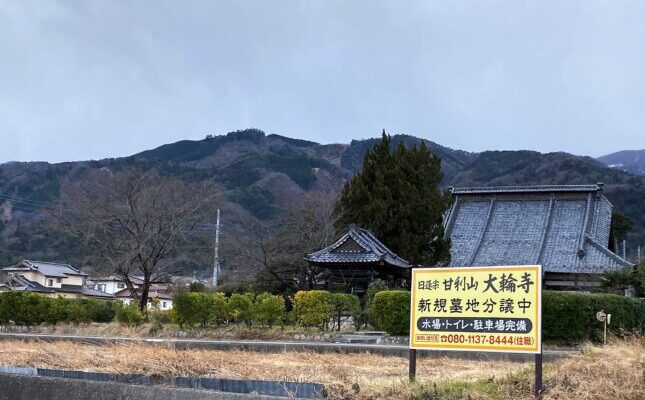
{"x": 377, "y": 285}
{"x": 566, "y": 317}
{"x": 191, "y": 309}
{"x": 99, "y": 310}
{"x": 217, "y": 308}
{"x": 571, "y": 317}
{"x": 159, "y": 318}
{"x": 28, "y": 308}
{"x": 240, "y": 307}
{"x": 197, "y": 308}
{"x": 345, "y": 305}
{"x": 313, "y": 308}
{"x": 85, "y": 310}
{"x": 390, "y": 311}
{"x": 269, "y": 309}
{"x": 184, "y": 310}
{"x": 127, "y": 314}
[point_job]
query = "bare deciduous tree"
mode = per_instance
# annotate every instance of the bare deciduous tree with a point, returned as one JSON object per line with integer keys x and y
{"x": 134, "y": 220}
{"x": 276, "y": 253}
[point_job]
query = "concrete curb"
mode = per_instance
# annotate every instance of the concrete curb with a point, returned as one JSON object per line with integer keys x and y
{"x": 278, "y": 389}
{"x": 278, "y": 347}
{"x": 26, "y": 387}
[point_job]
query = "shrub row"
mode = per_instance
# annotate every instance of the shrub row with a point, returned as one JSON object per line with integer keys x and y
{"x": 326, "y": 310}
{"x": 315, "y": 308}
{"x": 191, "y": 309}
{"x": 26, "y": 308}
{"x": 571, "y": 317}
{"x": 566, "y": 317}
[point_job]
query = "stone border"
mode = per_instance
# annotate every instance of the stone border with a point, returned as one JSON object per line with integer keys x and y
{"x": 30, "y": 387}
{"x": 290, "y": 390}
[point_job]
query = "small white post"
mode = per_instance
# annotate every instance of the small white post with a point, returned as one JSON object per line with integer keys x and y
{"x": 604, "y": 336}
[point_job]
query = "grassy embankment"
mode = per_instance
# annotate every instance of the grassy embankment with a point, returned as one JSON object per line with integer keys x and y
{"x": 612, "y": 372}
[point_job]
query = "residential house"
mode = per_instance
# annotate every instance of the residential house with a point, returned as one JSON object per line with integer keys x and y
{"x": 112, "y": 284}
{"x": 164, "y": 299}
{"x": 564, "y": 228}
{"x": 48, "y": 278}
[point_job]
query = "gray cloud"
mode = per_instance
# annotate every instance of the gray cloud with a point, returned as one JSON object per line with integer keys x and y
{"x": 81, "y": 80}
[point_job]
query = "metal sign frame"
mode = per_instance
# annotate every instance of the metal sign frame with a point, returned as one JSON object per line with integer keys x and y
{"x": 537, "y": 350}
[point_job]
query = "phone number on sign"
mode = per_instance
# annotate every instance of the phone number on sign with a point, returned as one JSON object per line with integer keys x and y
{"x": 458, "y": 338}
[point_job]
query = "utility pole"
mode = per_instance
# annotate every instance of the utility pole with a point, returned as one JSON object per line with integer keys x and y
{"x": 216, "y": 259}
{"x": 624, "y": 250}
{"x": 638, "y": 261}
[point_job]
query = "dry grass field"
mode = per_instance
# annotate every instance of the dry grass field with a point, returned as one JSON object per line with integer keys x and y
{"x": 612, "y": 372}
{"x": 147, "y": 330}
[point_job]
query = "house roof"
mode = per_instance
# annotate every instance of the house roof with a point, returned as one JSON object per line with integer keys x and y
{"x": 565, "y": 228}
{"x": 82, "y": 290}
{"x": 114, "y": 278}
{"x": 357, "y": 245}
{"x": 52, "y": 269}
{"x": 20, "y": 283}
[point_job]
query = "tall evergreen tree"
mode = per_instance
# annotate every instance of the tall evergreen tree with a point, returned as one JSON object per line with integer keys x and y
{"x": 397, "y": 197}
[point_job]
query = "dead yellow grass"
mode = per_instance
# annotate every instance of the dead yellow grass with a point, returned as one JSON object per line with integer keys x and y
{"x": 344, "y": 374}
{"x": 616, "y": 371}
{"x": 146, "y": 330}
{"x": 612, "y": 372}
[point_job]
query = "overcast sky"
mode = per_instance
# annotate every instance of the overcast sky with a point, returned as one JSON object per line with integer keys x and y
{"x": 95, "y": 79}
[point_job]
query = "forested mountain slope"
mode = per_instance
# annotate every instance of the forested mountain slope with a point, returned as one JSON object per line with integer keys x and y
{"x": 260, "y": 176}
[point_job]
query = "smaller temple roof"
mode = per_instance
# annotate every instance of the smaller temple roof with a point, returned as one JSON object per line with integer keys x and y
{"x": 357, "y": 245}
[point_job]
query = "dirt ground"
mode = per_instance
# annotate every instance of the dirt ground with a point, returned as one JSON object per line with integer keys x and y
{"x": 612, "y": 372}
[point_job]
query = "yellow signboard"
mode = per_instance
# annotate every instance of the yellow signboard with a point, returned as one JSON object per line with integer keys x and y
{"x": 477, "y": 309}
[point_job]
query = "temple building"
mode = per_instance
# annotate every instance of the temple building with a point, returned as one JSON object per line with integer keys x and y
{"x": 563, "y": 228}
{"x": 355, "y": 260}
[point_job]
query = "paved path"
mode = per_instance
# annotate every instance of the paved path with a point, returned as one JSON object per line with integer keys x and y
{"x": 280, "y": 346}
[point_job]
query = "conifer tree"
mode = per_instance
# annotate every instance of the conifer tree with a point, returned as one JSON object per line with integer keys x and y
{"x": 397, "y": 197}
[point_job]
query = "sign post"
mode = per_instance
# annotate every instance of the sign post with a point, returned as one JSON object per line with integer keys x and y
{"x": 412, "y": 370}
{"x": 606, "y": 318}
{"x": 495, "y": 309}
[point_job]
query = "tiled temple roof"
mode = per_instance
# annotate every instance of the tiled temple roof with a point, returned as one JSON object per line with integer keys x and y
{"x": 564, "y": 228}
{"x": 357, "y": 246}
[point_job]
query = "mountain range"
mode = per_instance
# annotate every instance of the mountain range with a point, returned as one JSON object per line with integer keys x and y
{"x": 627, "y": 160}
{"x": 261, "y": 175}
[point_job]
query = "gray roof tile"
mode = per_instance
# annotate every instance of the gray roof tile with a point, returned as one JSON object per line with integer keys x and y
{"x": 51, "y": 269}
{"x": 357, "y": 246}
{"x": 563, "y": 228}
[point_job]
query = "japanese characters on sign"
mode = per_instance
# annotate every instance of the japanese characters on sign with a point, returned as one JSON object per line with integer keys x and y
{"x": 477, "y": 308}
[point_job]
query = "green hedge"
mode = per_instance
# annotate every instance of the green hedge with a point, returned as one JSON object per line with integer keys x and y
{"x": 390, "y": 311}
{"x": 197, "y": 308}
{"x": 241, "y": 308}
{"x": 566, "y": 317}
{"x": 269, "y": 309}
{"x": 28, "y": 308}
{"x": 127, "y": 314}
{"x": 571, "y": 317}
{"x": 191, "y": 309}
